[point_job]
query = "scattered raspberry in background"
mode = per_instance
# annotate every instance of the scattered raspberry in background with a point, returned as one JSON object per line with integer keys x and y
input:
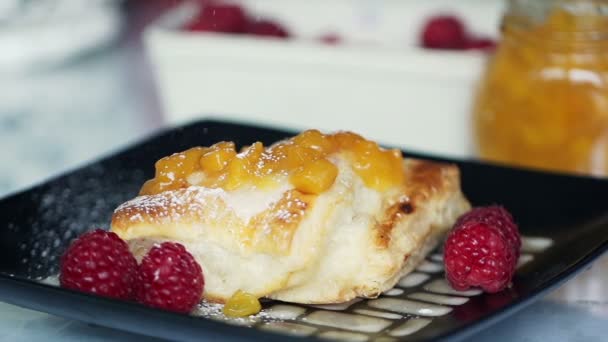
{"x": 99, "y": 262}
{"x": 450, "y": 33}
{"x": 267, "y": 28}
{"x": 330, "y": 38}
{"x": 496, "y": 216}
{"x": 444, "y": 32}
{"x": 480, "y": 44}
{"x": 215, "y": 17}
{"x": 482, "y": 250}
{"x": 169, "y": 278}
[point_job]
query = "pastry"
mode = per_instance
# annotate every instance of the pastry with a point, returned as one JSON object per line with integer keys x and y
{"x": 312, "y": 219}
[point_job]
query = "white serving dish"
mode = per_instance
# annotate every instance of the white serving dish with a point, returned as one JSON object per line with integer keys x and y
{"x": 378, "y": 82}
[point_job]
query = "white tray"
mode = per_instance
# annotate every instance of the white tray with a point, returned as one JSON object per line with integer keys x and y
{"x": 378, "y": 82}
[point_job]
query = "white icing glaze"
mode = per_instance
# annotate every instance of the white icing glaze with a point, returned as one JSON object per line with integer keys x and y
{"x": 381, "y": 314}
{"x": 343, "y": 336}
{"x": 413, "y": 279}
{"x": 524, "y": 259}
{"x": 51, "y": 280}
{"x": 347, "y": 321}
{"x": 533, "y": 244}
{"x": 289, "y": 328}
{"x": 438, "y": 299}
{"x": 282, "y": 311}
{"x": 429, "y": 267}
{"x": 393, "y": 292}
{"x": 437, "y": 257}
{"x": 337, "y": 307}
{"x": 410, "y": 326}
{"x": 442, "y": 286}
{"x": 411, "y": 307}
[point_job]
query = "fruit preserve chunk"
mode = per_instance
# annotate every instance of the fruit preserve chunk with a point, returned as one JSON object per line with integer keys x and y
{"x": 306, "y": 160}
{"x": 242, "y": 304}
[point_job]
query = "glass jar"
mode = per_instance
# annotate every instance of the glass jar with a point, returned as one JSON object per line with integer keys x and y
{"x": 543, "y": 101}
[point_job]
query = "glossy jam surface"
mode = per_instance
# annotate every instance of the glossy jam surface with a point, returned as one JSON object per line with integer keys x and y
{"x": 242, "y": 304}
{"x": 544, "y": 99}
{"x": 304, "y": 160}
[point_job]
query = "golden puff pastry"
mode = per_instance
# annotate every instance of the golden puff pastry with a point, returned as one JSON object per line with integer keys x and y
{"x": 297, "y": 232}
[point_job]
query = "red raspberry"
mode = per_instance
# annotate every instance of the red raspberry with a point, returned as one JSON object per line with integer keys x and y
{"x": 444, "y": 32}
{"x": 495, "y": 216}
{"x": 226, "y": 18}
{"x": 169, "y": 278}
{"x": 330, "y": 39}
{"x": 267, "y": 28}
{"x": 478, "y": 254}
{"x": 99, "y": 262}
{"x": 480, "y": 44}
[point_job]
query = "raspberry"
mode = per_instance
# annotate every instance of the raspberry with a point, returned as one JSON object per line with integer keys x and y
{"x": 480, "y": 44}
{"x": 225, "y": 18}
{"x": 330, "y": 39}
{"x": 267, "y": 28}
{"x": 444, "y": 32}
{"x": 169, "y": 278}
{"x": 495, "y": 216}
{"x": 478, "y": 254}
{"x": 99, "y": 262}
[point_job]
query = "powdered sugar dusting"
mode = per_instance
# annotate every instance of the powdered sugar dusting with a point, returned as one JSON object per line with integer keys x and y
{"x": 244, "y": 203}
{"x": 250, "y": 202}
{"x": 136, "y": 217}
{"x": 171, "y": 204}
{"x": 66, "y": 208}
{"x": 208, "y": 309}
{"x": 169, "y": 199}
{"x": 214, "y": 311}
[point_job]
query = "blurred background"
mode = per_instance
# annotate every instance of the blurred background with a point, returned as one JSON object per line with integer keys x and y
{"x": 80, "y": 79}
{"x": 521, "y": 82}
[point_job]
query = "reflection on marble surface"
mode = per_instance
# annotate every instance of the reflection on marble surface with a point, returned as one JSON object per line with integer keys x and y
{"x": 57, "y": 120}
{"x": 45, "y": 24}
{"x": 589, "y": 290}
{"x": 17, "y": 324}
{"x": 552, "y": 319}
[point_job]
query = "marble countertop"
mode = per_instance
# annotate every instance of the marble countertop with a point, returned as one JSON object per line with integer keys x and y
{"x": 43, "y": 132}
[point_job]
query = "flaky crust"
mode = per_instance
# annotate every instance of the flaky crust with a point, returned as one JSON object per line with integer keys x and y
{"x": 348, "y": 242}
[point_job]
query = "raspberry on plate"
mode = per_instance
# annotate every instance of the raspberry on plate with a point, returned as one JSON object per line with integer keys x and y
{"x": 496, "y": 216}
{"x": 444, "y": 32}
{"x": 477, "y": 254}
{"x": 169, "y": 278}
{"x": 99, "y": 262}
{"x": 267, "y": 28}
{"x": 226, "y": 18}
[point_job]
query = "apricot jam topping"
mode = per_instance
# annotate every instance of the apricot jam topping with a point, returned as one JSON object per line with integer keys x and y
{"x": 303, "y": 159}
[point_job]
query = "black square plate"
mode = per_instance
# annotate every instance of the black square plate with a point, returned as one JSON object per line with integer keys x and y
{"x": 567, "y": 215}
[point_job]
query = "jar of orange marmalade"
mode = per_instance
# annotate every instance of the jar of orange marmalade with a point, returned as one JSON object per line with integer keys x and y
{"x": 543, "y": 101}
